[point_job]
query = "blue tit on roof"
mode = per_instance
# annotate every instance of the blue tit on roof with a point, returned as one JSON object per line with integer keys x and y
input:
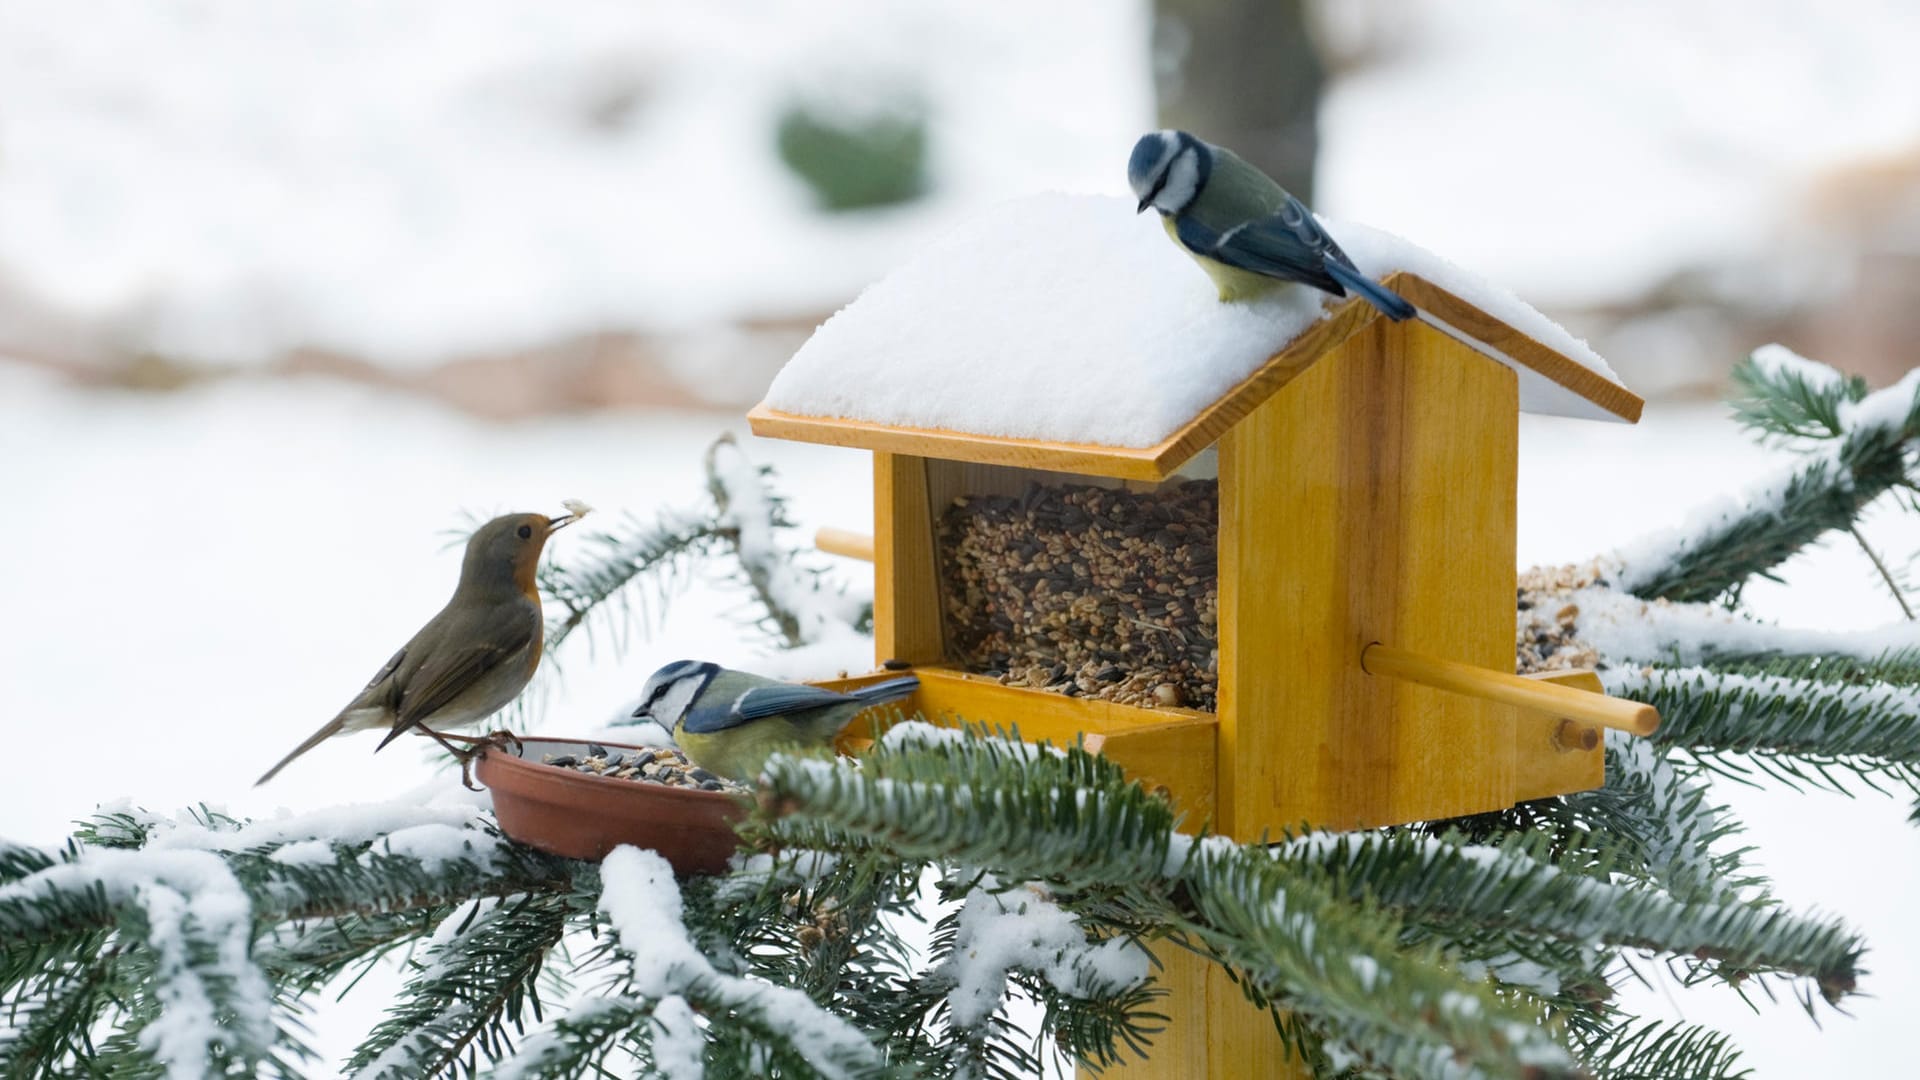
{"x": 1243, "y": 228}
{"x": 728, "y": 722}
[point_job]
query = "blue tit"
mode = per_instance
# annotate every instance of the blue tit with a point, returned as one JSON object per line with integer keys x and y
{"x": 728, "y": 722}
{"x": 1243, "y": 229}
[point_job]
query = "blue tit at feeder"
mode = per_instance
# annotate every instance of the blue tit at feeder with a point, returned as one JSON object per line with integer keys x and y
{"x": 1243, "y": 229}
{"x": 728, "y": 722}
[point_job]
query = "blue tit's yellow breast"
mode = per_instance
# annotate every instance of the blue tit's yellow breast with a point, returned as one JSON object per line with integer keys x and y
{"x": 1232, "y": 282}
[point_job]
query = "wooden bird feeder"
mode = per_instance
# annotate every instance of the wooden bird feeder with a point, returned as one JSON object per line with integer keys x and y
{"x": 1367, "y": 477}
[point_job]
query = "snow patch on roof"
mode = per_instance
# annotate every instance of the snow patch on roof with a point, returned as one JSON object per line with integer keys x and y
{"x": 1070, "y": 318}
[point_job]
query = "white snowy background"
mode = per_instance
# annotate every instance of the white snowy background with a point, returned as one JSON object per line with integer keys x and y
{"x": 194, "y": 581}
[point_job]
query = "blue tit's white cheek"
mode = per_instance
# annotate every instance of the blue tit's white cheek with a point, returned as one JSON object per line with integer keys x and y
{"x": 1183, "y": 183}
{"x": 674, "y": 703}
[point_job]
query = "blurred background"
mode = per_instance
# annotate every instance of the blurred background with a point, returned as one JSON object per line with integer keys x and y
{"x": 286, "y": 290}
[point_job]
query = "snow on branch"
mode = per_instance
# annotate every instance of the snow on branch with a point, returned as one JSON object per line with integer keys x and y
{"x": 799, "y": 603}
{"x": 1627, "y": 630}
{"x": 1857, "y": 447}
{"x": 639, "y": 897}
{"x": 1808, "y": 731}
{"x": 1000, "y": 928}
{"x": 195, "y": 919}
{"x": 170, "y": 936}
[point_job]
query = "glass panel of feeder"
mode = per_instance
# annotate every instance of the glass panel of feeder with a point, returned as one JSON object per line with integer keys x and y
{"x": 1081, "y": 585}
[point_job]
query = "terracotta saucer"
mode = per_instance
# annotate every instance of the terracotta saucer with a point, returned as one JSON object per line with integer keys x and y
{"x": 583, "y": 816}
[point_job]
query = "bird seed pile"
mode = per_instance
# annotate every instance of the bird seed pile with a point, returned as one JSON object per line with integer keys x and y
{"x": 659, "y": 766}
{"x": 1546, "y": 634}
{"x": 1088, "y": 591}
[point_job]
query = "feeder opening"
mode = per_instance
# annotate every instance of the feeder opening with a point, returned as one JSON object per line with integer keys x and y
{"x": 1080, "y": 585}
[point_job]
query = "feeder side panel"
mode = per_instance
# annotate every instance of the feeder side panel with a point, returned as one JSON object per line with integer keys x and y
{"x": 1544, "y": 764}
{"x": 1372, "y": 499}
{"x": 906, "y": 588}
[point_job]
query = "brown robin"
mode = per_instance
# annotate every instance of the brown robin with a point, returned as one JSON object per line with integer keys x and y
{"x": 472, "y": 658}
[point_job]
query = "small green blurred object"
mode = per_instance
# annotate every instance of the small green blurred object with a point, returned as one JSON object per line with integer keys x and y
{"x": 856, "y": 162}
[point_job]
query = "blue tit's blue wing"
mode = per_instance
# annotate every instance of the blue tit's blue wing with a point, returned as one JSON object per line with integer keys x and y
{"x": 785, "y": 698}
{"x": 706, "y": 718}
{"x": 1289, "y": 245}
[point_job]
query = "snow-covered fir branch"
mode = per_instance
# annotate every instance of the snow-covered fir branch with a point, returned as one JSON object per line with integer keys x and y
{"x": 1813, "y": 731}
{"x": 1285, "y": 919}
{"x": 803, "y": 605}
{"x": 1858, "y": 446}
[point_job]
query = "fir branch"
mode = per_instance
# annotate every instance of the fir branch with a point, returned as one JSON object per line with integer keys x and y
{"x": 584, "y": 1040}
{"x": 798, "y": 604}
{"x": 658, "y": 553}
{"x": 640, "y": 899}
{"x": 1887, "y": 576}
{"x": 1472, "y": 889}
{"x": 1811, "y": 732}
{"x": 1655, "y": 823}
{"x": 1658, "y": 1050}
{"x": 1785, "y": 396}
{"x": 475, "y": 981}
{"x": 1072, "y": 820}
{"x": 1861, "y": 450}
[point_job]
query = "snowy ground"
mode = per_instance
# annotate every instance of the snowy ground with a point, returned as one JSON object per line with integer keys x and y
{"x": 197, "y": 580}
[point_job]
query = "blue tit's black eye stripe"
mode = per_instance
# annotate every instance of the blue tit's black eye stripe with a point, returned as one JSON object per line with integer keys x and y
{"x": 1159, "y": 184}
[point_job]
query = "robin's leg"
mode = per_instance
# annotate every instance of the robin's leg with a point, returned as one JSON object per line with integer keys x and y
{"x": 473, "y": 749}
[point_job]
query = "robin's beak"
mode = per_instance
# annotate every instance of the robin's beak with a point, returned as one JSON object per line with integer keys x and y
{"x": 556, "y": 524}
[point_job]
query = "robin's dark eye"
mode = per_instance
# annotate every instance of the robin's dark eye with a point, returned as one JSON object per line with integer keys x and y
{"x": 526, "y": 532}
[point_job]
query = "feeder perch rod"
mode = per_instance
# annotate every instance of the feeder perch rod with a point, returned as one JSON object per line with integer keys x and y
{"x": 1565, "y": 701}
{"x": 845, "y": 543}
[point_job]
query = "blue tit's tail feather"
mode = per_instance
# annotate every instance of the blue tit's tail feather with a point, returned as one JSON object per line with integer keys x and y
{"x": 882, "y": 692}
{"x": 1391, "y": 304}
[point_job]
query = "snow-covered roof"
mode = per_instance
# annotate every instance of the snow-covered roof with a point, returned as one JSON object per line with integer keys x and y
{"x": 1070, "y": 319}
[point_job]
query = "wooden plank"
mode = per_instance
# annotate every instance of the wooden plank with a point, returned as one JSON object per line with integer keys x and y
{"x": 1123, "y": 462}
{"x": 1162, "y": 748}
{"x": 1160, "y": 461}
{"x": 906, "y": 588}
{"x": 1358, "y": 507}
{"x": 1523, "y": 349}
{"x": 1544, "y": 764}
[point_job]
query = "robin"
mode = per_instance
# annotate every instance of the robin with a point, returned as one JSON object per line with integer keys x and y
{"x": 472, "y": 658}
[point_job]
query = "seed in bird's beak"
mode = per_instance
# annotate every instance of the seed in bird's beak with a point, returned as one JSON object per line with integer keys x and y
{"x": 575, "y": 511}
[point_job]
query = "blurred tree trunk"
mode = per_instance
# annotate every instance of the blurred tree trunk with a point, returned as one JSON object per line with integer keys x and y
{"x": 1244, "y": 74}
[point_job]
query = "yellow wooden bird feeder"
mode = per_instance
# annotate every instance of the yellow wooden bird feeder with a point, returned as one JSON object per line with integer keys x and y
{"x": 1367, "y": 476}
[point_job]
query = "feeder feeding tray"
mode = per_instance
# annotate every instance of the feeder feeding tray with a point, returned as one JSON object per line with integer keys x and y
{"x": 583, "y": 816}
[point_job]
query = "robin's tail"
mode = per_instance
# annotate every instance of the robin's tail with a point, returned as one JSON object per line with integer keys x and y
{"x": 332, "y": 727}
{"x": 1391, "y": 304}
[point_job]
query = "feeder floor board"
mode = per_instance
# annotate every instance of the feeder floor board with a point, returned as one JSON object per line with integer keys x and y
{"x": 1170, "y": 749}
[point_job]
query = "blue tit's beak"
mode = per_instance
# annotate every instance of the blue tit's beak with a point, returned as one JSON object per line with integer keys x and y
{"x": 1144, "y": 203}
{"x": 642, "y": 713}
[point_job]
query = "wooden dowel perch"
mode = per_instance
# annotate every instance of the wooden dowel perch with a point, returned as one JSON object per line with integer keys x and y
{"x": 1617, "y": 713}
{"x": 845, "y": 543}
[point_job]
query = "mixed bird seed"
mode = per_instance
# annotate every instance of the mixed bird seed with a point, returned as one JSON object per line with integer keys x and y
{"x": 1088, "y": 591}
{"x": 1546, "y": 632}
{"x": 656, "y": 766}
